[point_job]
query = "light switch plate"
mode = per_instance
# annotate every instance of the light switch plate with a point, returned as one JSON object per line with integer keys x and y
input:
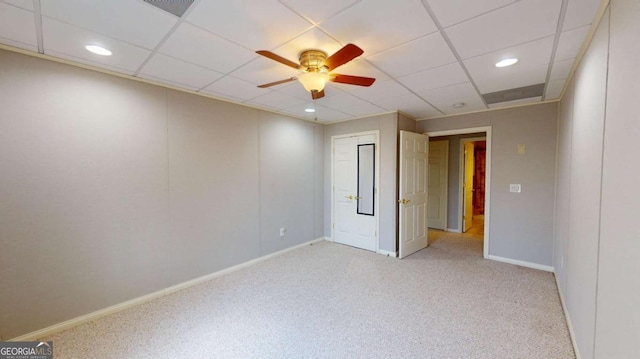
{"x": 515, "y": 188}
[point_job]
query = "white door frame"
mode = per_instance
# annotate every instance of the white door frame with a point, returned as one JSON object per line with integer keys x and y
{"x": 376, "y": 204}
{"x": 461, "y": 192}
{"x": 487, "y": 184}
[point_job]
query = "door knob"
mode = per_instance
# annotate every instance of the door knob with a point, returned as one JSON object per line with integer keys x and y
{"x": 348, "y": 197}
{"x": 356, "y": 197}
{"x": 404, "y": 201}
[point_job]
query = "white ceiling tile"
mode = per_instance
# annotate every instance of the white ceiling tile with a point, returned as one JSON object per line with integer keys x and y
{"x": 263, "y": 70}
{"x": 523, "y": 21}
{"x": 67, "y": 41}
{"x": 325, "y": 114}
{"x": 131, "y": 21}
{"x": 561, "y": 69}
{"x": 529, "y": 70}
{"x": 451, "y": 12}
{"x": 234, "y": 88}
{"x": 254, "y": 24}
{"x": 442, "y": 76}
{"x": 516, "y": 102}
{"x": 554, "y": 89}
{"x": 378, "y": 91}
{"x": 202, "y": 48}
{"x": 360, "y": 67}
{"x": 580, "y": 13}
{"x": 443, "y": 98}
{"x": 344, "y": 102}
{"x": 312, "y": 39}
{"x": 17, "y": 27}
{"x": 570, "y": 43}
{"x": 178, "y": 72}
{"x": 410, "y": 104}
{"x": 276, "y": 100}
{"x": 420, "y": 54}
{"x": 379, "y": 25}
{"x": 25, "y": 4}
{"x": 318, "y": 11}
{"x": 322, "y": 114}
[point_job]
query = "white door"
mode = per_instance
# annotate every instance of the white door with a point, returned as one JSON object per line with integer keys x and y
{"x": 351, "y": 227}
{"x": 414, "y": 152}
{"x": 469, "y": 171}
{"x": 438, "y": 187}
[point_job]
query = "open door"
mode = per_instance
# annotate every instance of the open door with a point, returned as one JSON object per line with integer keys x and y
{"x": 469, "y": 171}
{"x": 412, "y": 197}
{"x": 438, "y": 187}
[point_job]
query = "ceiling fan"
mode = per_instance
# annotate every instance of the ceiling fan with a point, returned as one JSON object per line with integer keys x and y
{"x": 316, "y": 69}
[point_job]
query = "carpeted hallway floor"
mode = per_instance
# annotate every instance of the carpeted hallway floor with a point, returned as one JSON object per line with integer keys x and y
{"x": 334, "y": 301}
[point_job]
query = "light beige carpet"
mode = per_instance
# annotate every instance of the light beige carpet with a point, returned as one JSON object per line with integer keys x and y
{"x": 333, "y": 301}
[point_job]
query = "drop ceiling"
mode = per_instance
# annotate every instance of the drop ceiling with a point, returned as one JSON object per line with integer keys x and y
{"x": 426, "y": 55}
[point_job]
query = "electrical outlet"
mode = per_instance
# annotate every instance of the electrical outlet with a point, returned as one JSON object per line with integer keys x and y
{"x": 515, "y": 188}
{"x": 283, "y": 231}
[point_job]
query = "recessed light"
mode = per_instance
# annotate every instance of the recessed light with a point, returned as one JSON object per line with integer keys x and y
{"x": 459, "y": 105}
{"x": 506, "y": 62}
{"x": 309, "y": 110}
{"x": 98, "y": 50}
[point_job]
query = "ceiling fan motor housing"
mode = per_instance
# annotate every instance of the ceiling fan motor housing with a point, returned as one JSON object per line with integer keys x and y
{"x": 313, "y": 60}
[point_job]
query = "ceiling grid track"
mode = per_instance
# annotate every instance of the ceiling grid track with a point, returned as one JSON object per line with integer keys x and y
{"x": 556, "y": 40}
{"x": 484, "y": 13}
{"x": 166, "y": 37}
{"x": 408, "y": 89}
{"x": 453, "y": 50}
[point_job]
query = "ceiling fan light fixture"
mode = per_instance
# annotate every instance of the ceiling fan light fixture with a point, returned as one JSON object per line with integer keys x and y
{"x": 314, "y": 81}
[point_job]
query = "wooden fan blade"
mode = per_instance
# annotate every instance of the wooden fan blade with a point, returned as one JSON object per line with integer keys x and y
{"x": 353, "y": 80}
{"x": 277, "y": 83}
{"x": 317, "y": 94}
{"x": 342, "y": 56}
{"x": 280, "y": 59}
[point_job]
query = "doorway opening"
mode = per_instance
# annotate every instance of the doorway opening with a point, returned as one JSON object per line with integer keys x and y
{"x": 468, "y": 183}
{"x": 472, "y": 184}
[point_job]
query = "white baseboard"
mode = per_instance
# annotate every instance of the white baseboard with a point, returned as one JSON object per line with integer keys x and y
{"x": 387, "y": 253}
{"x": 566, "y": 315}
{"x": 151, "y": 296}
{"x": 453, "y": 230}
{"x": 329, "y": 239}
{"x": 521, "y": 263}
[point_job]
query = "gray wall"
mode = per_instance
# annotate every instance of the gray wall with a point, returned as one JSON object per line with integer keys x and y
{"x": 521, "y": 224}
{"x": 596, "y": 233}
{"x": 454, "y": 222}
{"x": 388, "y": 126}
{"x": 405, "y": 123}
{"x": 111, "y": 189}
